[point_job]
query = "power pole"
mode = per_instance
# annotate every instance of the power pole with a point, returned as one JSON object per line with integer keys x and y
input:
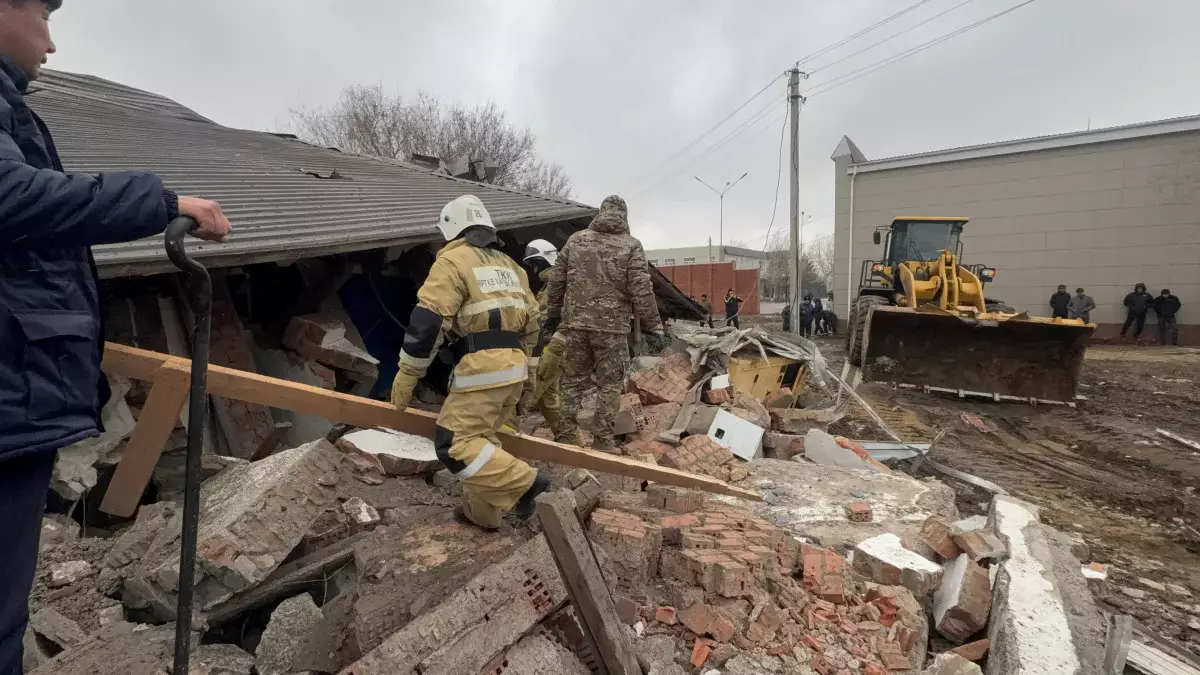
{"x": 794, "y": 101}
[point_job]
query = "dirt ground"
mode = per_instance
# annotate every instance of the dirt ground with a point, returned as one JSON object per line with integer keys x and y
{"x": 1099, "y": 470}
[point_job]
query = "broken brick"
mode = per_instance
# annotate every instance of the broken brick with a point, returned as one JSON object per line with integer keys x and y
{"x": 718, "y": 396}
{"x": 893, "y": 657}
{"x": 972, "y": 651}
{"x": 824, "y": 573}
{"x": 981, "y": 545}
{"x": 963, "y": 601}
{"x": 698, "y": 618}
{"x": 885, "y": 560}
{"x": 700, "y": 652}
{"x": 654, "y": 387}
{"x": 936, "y": 533}
{"x": 645, "y": 447}
{"x": 859, "y": 512}
{"x": 675, "y": 499}
{"x": 666, "y": 615}
{"x": 721, "y": 628}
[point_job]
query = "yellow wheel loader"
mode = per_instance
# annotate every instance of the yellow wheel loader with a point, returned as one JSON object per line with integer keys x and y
{"x": 920, "y": 319}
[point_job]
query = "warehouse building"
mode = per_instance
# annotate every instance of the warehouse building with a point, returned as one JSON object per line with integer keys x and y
{"x": 1101, "y": 209}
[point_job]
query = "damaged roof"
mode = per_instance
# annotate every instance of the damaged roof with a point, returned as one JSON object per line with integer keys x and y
{"x": 287, "y": 199}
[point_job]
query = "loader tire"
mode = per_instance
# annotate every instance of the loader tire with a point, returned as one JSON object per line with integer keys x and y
{"x": 858, "y": 327}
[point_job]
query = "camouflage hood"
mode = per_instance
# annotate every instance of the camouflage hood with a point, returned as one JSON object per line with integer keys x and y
{"x": 613, "y": 217}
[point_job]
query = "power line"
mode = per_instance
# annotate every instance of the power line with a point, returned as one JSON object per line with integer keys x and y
{"x": 701, "y": 136}
{"x": 820, "y": 52}
{"x": 868, "y": 29}
{"x": 887, "y": 39}
{"x": 778, "y": 181}
{"x": 753, "y": 120}
{"x": 829, "y": 85}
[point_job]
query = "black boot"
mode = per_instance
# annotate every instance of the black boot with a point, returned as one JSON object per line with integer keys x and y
{"x": 524, "y": 508}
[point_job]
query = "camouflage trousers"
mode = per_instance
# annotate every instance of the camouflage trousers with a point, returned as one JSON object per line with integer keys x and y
{"x": 592, "y": 355}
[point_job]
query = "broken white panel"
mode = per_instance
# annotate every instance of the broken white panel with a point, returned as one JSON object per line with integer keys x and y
{"x": 720, "y": 381}
{"x": 885, "y": 450}
{"x": 744, "y": 439}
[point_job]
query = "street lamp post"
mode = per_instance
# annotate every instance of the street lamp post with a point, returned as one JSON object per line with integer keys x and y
{"x": 721, "y": 194}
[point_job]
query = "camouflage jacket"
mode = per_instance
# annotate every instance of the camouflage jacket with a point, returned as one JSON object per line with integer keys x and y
{"x": 601, "y": 280}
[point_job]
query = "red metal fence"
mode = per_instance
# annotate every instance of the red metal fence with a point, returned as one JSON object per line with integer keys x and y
{"x": 714, "y": 279}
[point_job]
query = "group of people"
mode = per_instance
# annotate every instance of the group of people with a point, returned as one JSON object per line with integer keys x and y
{"x": 814, "y": 318}
{"x": 478, "y": 302}
{"x": 733, "y": 308}
{"x": 1138, "y": 303}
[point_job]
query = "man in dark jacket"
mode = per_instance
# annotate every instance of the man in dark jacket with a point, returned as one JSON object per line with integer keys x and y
{"x": 51, "y": 387}
{"x": 732, "y": 308}
{"x": 1137, "y": 304}
{"x": 1166, "y": 306}
{"x": 1059, "y": 302}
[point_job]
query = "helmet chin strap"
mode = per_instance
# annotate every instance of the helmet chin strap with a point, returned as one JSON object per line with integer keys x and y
{"x": 481, "y": 237}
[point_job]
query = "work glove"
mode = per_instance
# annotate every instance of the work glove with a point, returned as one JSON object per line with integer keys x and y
{"x": 402, "y": 390}
{"x": 549, "y": 326}
{"x": 657, "y": 340}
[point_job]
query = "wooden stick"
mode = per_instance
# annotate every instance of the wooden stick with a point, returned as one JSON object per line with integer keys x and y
{"x": 145, "y": 446}
{"x": 338, "y": 407}
{"x": 1116, "y": 644}
{"x": 1184, "y": 440}
{"x": 585, "y": 586}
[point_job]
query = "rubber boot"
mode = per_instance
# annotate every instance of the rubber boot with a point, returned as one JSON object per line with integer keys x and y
{"x": 525, "y": 505}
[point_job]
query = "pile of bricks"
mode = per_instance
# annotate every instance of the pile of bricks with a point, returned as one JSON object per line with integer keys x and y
{"x": 667, "y": 382}
{"x": 699, "y": 454}
{"x": 728, "y": 582}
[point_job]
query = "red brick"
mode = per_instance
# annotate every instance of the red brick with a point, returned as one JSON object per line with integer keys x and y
{"x": 893, "y": 658}
{"x": 824, "y": 573}
{"x": 732, "y": 579}
{"x": 718, "y": 396}
{"x": 935, "y": 532}
{"x": 698, "y": 618}
{"x": 814, "y": 643}
{"x": 675, "y": 499}
{"x": 632, "y": 403}
{"x": 981, "y": 545}
{"x": 654, "y": 387}
{"x": 874, "y": 669}
{"x": 859, "y": 512}
{"x": 820, "y": 665}
{"x": 645, "y": 447}
{"x": 972, "y": 651}
{"x": 700, "y": 652}
{"x": 958, "y": 618}
{"x": 666, "y": 615}
{"x": 722, "y": 629}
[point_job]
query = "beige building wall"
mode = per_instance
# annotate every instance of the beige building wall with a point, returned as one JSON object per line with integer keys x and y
{"x": 1102, "y": 216}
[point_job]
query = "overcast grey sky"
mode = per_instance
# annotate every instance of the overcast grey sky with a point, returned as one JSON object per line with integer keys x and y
{"x": 614, "y": 87}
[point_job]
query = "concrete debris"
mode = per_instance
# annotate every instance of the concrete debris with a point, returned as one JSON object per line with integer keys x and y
{"x": 361, "y": 513}
{"x": 399, "y": 453}
{"x": 252, "y": 516}
{"x": 33, "y": 653}
{"x": 963, "y": 601}
{"x": 67, "y": 573}
{"x": 1030, "y": 632}
{"x": 49, "y": 624}
{"x": 981, "y": 545}
{"x": 74, "y": 468}
{"x": 297, "y": 639}
{"x": 538, "y": 655}
{"x": 751, "y": 409}
{"x": 120, "y": 649}
{"x": 884, "y": 559}
{"x": 968, "y": 525}
{"x": 785, "y": 446}
{"x": 972, "y": 651}
{"x": 1152, "y": 584}
{"x": 480, "y": 619}
{"x": 57, "y": 530}
{"x": 952, "y": 664}
{"x": 801, "y": 421}
{"x": 718, "y": 396}
{"x": 220, "y": 659}
{"x": 112, "y": 614}
{"x": 323, "y": 339}
{"x": 821, "y": 448}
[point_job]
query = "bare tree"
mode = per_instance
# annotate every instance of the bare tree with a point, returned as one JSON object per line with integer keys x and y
{"x": 821, "y": 253}
{"x": 370, "y": 121}
{"x": 777, "y": 272}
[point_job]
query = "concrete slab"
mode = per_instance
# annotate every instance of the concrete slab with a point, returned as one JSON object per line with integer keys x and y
{"x": 1043, "y": 617}
{"x": 297, "y": 639}
{"x": 120, "y": 649}
{"x": 537, "y": 655}
{"x": 400, "y": 454}
{"x": 809, "y": 500}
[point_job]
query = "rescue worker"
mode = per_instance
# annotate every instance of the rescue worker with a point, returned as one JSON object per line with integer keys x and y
{"x": 542, "y": 389}
{"x": 599, "y": 281}
{"x": 732, "y": 309}
{"x": 1137, "y": 304}
{"x": 479, "y": 298}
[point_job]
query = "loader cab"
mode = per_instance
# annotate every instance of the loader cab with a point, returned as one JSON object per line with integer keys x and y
{"x": 921, "y": 239}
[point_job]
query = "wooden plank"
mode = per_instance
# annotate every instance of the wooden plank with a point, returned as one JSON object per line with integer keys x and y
{"x": 1116, "y": 644}
{"x": 1151, "y": 660}
{"x": 287, "y": 581}
{"x": 585, "y": 586}
{"x": 145, "y": 446}
{"x": 338, "y": 407}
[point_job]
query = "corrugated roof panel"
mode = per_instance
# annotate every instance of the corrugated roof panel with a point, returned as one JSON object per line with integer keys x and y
{"x": 276, "y": 190}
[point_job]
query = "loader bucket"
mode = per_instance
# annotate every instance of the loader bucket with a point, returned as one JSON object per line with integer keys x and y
{"x": 1003, "y": 356}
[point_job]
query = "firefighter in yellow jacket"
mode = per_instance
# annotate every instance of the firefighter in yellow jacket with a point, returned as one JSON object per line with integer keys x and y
{"x": 542, "y": 389}
{"x": 478, "y": 299}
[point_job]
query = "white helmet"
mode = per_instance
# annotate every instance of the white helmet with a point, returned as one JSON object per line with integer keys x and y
{"x": 540, "y": 248}
{"x": 458, "y": 215}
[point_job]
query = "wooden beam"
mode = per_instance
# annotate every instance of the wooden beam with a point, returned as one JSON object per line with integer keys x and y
{"x": 145, "y": 446}
{"x": 585, "y": 585}
{"x": 140, "y": 364}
